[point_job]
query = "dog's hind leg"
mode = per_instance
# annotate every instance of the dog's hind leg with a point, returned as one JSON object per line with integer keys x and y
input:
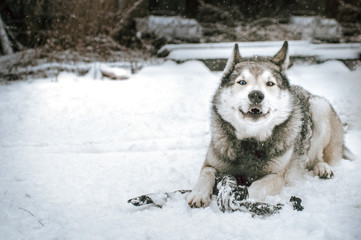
{"x": 323, "y": 170}
{"x": 333, "y": 152}
{"x": 327, "y": 142}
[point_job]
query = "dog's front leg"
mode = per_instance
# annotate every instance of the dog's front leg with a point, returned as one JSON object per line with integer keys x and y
{"x": 269, "y": 185}
{"x": 201, "y": 193}
{"x": 273, "y": 183}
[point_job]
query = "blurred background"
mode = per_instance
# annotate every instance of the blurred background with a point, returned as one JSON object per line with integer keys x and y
{"x": 106, "y": 25}
{"x": 117, "y": 30}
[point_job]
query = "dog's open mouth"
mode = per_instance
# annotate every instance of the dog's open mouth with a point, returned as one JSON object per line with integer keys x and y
{"x": 254, "y": 113}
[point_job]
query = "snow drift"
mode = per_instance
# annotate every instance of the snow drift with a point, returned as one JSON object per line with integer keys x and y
{"x": 73, "y": 151}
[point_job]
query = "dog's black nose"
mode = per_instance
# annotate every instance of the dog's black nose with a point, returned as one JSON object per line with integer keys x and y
{"x": 256, "y": 96}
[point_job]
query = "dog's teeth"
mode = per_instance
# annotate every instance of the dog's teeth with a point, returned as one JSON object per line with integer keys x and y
{"x": 255, "y": 111}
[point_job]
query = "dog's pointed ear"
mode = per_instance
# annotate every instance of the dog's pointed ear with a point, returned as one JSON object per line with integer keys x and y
{"x": 281, "y": 58}
{"x": 232, "y": 61}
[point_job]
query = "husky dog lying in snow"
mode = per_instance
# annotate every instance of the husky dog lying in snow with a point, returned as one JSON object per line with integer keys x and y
{"x": 265, "y": 131}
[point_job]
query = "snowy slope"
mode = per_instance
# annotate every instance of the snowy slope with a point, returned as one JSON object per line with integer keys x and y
{"x": 73, "y": 151}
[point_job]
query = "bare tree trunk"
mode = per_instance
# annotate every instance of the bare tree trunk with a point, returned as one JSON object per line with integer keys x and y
{"x": 5, "y": 43}
{"x": 129, "y": 14}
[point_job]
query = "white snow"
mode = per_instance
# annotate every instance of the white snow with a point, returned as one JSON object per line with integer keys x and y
{"x": 183, "y": 52}
{"x": 169, "y": 27}
{"x": 73, "y": 151}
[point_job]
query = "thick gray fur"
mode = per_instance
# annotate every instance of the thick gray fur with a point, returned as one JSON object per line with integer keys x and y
{"x": 267, "y": 143}
{"x": 253, "y": 155}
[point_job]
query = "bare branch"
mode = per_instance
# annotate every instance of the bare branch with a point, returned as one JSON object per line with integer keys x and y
{"x": 26, "y": 210}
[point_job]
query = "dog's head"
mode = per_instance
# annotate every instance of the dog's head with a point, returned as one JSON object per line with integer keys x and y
{"x": 254, "y": 94}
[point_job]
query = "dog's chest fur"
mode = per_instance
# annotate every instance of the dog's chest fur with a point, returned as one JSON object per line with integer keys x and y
{"x": 252, "y": 158}
{"x": 247, "y": 157}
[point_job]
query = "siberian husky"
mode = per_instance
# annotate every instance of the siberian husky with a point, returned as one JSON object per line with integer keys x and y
{"x": 265, "y": 131}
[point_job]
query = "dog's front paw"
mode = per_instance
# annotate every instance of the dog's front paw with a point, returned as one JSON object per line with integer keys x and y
{"x": 323, "y": 170}
{"x": 198, "y": 199}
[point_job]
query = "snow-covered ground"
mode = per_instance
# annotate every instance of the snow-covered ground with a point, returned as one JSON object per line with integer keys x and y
{"x": 73, "y": 151}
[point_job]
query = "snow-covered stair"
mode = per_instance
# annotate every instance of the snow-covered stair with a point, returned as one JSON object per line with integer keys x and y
{"x": 214, "y": 55}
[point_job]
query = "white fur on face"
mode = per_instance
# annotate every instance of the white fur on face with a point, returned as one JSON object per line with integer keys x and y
{"x": 276, "y": 106}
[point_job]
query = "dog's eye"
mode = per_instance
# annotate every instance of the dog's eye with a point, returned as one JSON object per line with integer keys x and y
{"x": 270, "y": 84}
{"x": 242, "y": 82}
